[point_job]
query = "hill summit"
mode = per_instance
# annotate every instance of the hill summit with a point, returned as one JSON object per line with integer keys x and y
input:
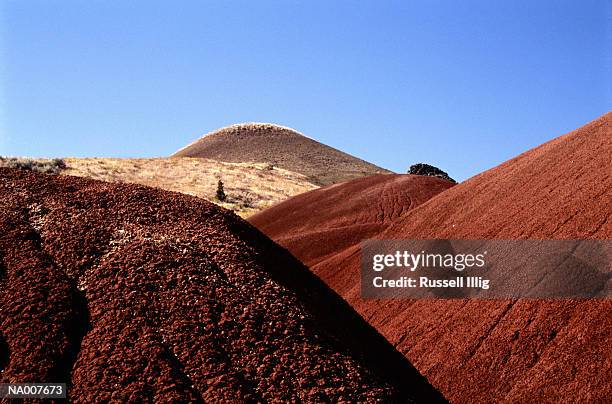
{"x": 281, "y": 147}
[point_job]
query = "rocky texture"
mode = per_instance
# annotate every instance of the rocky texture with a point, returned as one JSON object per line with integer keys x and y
{"x": 281, "y": 147}
{"x": 134, "y": 294}
{"x": 429, "y": 170}
{"x": 325, "y": 221}
{"x": 515, "y": 350}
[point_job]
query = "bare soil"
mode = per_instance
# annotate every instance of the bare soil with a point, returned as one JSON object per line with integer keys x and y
{"x": 325, "y": 221}
{"x": 515, "y": 350}
{"x": 134, "y": 294}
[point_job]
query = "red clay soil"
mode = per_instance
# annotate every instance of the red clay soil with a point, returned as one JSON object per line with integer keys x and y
{"x": 132, "y": 294}
{"x": 327, "y": 220}
{"x": 282, "y": 147}
{"x": 507, "y": 351}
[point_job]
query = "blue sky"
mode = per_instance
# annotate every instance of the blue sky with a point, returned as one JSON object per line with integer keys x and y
{"x": 461, "y": 85}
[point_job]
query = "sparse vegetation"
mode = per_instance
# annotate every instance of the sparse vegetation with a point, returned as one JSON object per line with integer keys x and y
{"x": 220, "y": 194}
{"x": 246, "y": 200}
{"x": 249, "y": 187}
{"x": 47, "y": 166}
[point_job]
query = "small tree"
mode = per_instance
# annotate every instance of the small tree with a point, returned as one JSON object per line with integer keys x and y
{"x": 220, "y": 192}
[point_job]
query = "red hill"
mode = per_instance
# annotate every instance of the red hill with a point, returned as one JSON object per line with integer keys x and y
{"x": 134, "y": 294}
{"x": 509, "y": 351}
{"x": 322, "y": 222}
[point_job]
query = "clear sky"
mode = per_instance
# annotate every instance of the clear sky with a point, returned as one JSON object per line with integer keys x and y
{"x": 463, "y": 85}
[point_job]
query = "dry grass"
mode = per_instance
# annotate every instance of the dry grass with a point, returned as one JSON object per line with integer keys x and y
{"x": 250, "y": 187}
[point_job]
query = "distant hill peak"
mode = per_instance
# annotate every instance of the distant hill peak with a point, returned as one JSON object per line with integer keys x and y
{"x": 281, "y": 146}
{"x": 258, "y": 126}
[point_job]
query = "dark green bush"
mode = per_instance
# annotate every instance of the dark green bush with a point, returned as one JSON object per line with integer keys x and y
{"x": 220, "y": 191}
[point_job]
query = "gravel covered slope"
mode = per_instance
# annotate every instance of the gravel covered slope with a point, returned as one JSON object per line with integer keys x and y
{"x": 135, "y": 294}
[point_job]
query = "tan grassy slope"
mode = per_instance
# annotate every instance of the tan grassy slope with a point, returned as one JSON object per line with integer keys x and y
{"x": 283, "y": 147}
{"x": 250, "y": 187}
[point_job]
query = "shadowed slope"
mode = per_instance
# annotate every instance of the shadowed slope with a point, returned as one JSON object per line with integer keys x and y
{"x": 511, "y": 351}
{"x": 282, "y": 147}
{"x": 325, "y": 221}
{"x": 135, "y": 294}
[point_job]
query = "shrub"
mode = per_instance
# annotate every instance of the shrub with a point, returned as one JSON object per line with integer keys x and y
{"x": 220, "y": 191}
{"x": 429, "y": 170}
{"x": 247, "y": 200}
{"x": 47, "y": 166}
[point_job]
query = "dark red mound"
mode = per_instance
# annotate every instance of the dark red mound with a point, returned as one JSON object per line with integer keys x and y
{"x": 318, "y": 223}
{"x": 134, "y": 294}
{"x": 282, "y": 147}
{"x": 510, "y": 351}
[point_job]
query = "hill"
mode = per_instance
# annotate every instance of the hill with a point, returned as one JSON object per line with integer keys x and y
{"x": 250, "y": 187}
{"x": 137, "y": 294}
{"x": 322, "y": 222}
{"x": 510, "y": 350}
{"x": 282, "y": 147}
